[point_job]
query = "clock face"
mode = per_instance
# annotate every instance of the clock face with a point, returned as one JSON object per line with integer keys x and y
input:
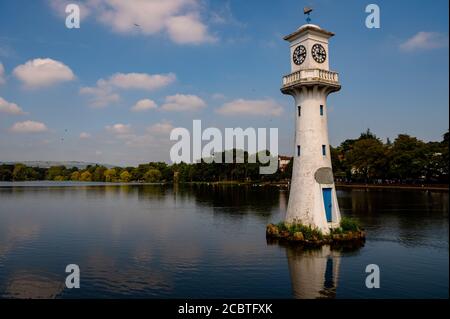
{"x": 299, "y": 55}
{"x": 318, "y": 53}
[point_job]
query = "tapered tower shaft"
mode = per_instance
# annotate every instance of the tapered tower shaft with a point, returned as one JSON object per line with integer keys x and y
{"x": 312, "y": 199}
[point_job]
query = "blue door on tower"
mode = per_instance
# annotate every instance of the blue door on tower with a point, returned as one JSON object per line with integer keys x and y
{"x": 327, "y": 202}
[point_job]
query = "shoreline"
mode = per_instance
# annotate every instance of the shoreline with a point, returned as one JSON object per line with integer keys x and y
{"x": 425, "y": 187}
{"x": 437, "y": 187}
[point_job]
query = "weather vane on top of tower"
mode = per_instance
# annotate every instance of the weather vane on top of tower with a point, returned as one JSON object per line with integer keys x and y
{"x": 307, "y": 11}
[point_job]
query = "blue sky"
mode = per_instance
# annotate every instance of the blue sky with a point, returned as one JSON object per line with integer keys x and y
{"x": 204, "y": 59}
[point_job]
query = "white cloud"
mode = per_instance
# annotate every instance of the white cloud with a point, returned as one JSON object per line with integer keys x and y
{"x": 154, "y": 135}
{"x": 85, "y": 135}
{"x": 224, "y": 16}
{"x": 141, "y": 81}
{"x": 149, "y": 17}
{"x": 188, "y": 29}
{"x": 251, "y": 107}
{"x": 10, "y": 108}
{"x": 119, "y": 128}
{"x": 101, "y": 94}
{"x": 163, "y": 128}
{"x": 218, "y": 96}
{"x": 425, "y": 41}
{"x": 59, "y": 6}
{"x": 2, "y": 74}
{"x": 144, "y": 105}
{"x": 43, "y": 72}
{"x": 28, "y": 127}
{"x": 181, "y": 102}
{"x": 140, "y": 141}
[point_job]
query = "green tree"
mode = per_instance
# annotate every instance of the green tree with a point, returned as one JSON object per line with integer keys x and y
{"x": 110, "y": 175}
{"x": 55, "y": 171}
{"x": 444, "y": 161}
{"x": 6, "y": 172}
{"x": 125, "y": 176}
{"x": 86, "y": 176}
{"x": 367, "y": 135}
{"x": 407, "y": 158}
{"x": 75, "y": 176}
{"x": 20, "y": 172}
{"x": 99, "y": 174}
{"x": 367, "y": 159}
{"x": 153, "y": 175}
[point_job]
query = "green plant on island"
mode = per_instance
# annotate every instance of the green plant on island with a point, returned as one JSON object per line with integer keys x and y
{"x": 308, "y": 232}
{"x": 349, "y": 224}
{"x": 346, "y": 225}
{"x": 348, "y": 229}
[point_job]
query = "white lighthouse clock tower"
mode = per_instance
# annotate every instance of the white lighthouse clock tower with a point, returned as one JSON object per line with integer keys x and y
{"x": 312, "y": 199}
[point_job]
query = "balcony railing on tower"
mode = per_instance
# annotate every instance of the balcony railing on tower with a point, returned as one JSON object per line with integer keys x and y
{"x": 311, "y": 76}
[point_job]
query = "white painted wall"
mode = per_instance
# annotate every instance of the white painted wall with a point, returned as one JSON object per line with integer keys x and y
{"x": 311, "y": 132}
{"x": 308, "y": 39}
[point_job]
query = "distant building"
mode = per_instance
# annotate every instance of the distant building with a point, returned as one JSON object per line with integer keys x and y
{"x": 283, "y": 162}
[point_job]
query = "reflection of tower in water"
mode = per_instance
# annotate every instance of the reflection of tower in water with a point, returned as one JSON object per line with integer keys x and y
{"x": 283, "y": 199}
{"x": 314, "y": 273}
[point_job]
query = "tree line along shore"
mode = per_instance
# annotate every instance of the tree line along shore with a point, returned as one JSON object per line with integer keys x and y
{"x": 366, "y": 161}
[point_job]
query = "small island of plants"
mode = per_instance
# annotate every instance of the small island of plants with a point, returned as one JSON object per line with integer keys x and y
{"x": 348, "y": 230}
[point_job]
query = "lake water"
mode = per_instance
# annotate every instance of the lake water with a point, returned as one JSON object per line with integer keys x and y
{"x": 155, "y": 241}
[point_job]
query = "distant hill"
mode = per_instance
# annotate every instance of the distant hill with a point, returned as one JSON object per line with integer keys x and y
{"x": 47, "y": 164}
